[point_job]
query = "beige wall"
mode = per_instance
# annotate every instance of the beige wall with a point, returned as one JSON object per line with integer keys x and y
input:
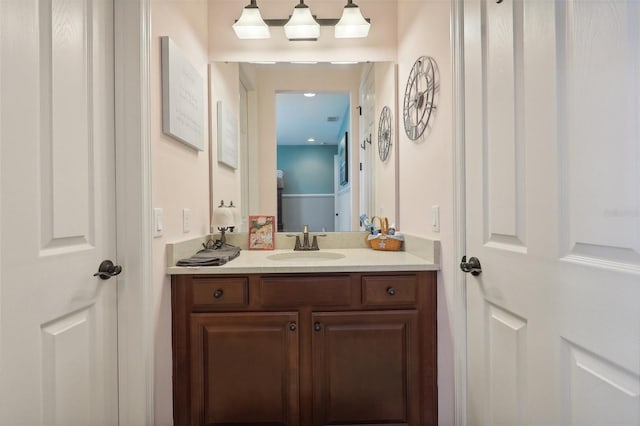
{"x": 180, "y": 176}
{"x": 426, "y": 167}
{"x": 385, "y": 172}
{"x": 224, "y": 84}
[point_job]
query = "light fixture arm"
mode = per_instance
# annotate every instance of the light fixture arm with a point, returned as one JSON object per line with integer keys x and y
{"x": 324, "y": 22}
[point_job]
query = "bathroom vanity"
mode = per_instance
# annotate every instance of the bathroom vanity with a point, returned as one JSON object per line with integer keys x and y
{"x": 277, "y": 340}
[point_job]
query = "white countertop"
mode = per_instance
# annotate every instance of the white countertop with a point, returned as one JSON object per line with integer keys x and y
{"x": 420, "y": 254}
{"x": 354, "y": 260}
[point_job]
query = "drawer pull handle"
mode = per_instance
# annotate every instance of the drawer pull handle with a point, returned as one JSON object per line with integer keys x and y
{"x": 218, "y": 293}
{"x": 317, "y": 326}
{"x": 391, "y": 291}
{"x": 293, "y": 326}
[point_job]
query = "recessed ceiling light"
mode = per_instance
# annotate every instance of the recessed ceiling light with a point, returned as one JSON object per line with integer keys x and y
{"x": 309, "y": 95}
{"x": 311, "y": 140}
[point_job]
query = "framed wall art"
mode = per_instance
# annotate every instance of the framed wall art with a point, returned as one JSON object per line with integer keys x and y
{"x": 182, "y": 97}
{"x": 227, "y": 136}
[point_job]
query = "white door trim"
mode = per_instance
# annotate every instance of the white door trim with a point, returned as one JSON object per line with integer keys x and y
{"x": 133, "y": 206}
{"x": 459, "y": 222}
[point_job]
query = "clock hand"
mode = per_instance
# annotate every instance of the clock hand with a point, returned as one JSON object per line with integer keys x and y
{"x": 417, "y": 110}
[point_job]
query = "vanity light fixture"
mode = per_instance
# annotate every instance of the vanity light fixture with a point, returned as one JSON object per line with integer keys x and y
{"x": 251, "y": 25}
{"x": 302, "y": 24}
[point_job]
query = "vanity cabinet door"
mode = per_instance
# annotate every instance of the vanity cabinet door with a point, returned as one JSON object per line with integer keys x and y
{"x": 244, "y": 368}
{"x": 366, "y": 368}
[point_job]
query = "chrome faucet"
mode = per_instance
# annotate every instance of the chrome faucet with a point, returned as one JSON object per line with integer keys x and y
{"x": 305, "y": 246}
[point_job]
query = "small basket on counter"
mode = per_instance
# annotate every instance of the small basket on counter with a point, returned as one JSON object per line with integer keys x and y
{"x": 382, "y": 239}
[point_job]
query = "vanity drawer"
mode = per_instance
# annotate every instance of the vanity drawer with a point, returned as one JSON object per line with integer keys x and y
{"x": 220, "y": 292}
{"x": 389, "y": 290}
{"x": 301, "y": 291}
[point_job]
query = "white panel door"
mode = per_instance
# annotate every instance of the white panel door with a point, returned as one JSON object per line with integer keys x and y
{"x": 58, "y": 331}
{"x": 552, "y": 155}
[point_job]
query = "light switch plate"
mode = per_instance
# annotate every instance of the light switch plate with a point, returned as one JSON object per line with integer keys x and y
{"x": 186, "y": 220}
{"x": 435, "y": 218}
{"x": 158, "y": 223}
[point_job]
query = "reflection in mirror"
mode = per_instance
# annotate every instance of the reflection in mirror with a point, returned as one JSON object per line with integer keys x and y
{"x": 312, "y": 175}
{"x": 254, "y": 183}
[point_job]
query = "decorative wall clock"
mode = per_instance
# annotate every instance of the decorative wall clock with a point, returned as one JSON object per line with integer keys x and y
{"x": 419, "y": 97}
{"x": 384, "y": 133}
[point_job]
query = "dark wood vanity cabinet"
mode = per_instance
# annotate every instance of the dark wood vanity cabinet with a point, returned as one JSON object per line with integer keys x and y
{"x": 305, "y": 349}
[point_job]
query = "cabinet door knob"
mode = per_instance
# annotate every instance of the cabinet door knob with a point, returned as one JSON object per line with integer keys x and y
{"x": 317, "y": 326}
{"x": 391, "y": 291}
{"x": 293, "y": 326}
{"x": 218, "y": 293}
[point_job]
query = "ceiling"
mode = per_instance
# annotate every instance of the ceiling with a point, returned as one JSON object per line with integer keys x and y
{"x": 320, "y": 117}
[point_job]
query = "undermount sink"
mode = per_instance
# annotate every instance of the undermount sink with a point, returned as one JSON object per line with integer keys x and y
{"x": 306, "y": 256}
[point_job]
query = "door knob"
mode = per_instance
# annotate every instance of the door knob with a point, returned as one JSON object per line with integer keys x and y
{"x": 107, "y": 270}
{"x": 473, "y": 265}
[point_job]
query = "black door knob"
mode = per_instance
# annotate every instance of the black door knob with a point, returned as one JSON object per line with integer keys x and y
{"x": 107, "y": 270}
{"x": 473, "y": 265}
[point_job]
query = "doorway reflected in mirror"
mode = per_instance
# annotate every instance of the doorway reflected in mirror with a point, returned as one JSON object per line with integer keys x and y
{"x": 312, "y": 156}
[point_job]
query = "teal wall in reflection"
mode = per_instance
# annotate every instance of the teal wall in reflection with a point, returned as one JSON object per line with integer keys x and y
{"x": 307, "y": 169}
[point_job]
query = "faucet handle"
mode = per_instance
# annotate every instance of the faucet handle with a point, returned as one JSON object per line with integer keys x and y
{"x": 298, "y": 245}
{"x": 314, "y": 243}
{"x": 305, "y": 229}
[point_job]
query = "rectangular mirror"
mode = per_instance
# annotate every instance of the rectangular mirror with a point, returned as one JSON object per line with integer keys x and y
{"x": 271, "y": 138}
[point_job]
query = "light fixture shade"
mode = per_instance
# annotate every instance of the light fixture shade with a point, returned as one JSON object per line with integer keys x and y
{"x": 251, "y": 25}
{"x": 223, "y": 217}
{"x": 352, "y": 24}
{"x": 302, "y": 25}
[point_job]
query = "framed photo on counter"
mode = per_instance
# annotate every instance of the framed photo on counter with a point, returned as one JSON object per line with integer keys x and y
{"x": 261, "y": 232}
